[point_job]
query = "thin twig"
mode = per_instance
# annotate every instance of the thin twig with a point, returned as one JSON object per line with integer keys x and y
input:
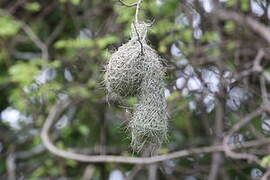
{"x": 127, "y": 5}
{"x": 29, "y": 153}
{"x": 263, "y": 90}
{"x": 36, "y": 41}
{"x": 236, "y": 128}
{"x": 137, "y": 11}
{"x": 136, "y": 169}
{"x": 257, "y": 61}
{"x": 256, "y": 68}
{"x": 58, "y": 29}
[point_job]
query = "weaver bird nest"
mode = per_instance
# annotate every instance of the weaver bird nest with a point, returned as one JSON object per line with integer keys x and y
{"x": 135, "y": 69}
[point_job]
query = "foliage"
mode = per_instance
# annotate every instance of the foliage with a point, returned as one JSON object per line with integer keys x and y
{"x": 79, "y": 36}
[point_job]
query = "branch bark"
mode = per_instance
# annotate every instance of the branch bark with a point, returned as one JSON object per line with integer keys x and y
{"x": 60, "y": 107}
{"x": 252, "y": 23}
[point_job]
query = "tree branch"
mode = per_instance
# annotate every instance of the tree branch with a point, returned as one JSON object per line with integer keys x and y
{"x": 30, "y": 33}
{"x": 60, "y": 107}
{"x": 255, "y": 25}
{"x": 237, "y": 127}
{"x": 127, "y": 5}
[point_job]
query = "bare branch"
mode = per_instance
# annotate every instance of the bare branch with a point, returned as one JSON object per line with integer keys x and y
{"x": 88, "y": 172}
{"x": 36, "y": 40}
{"x": 30, "y": 33}
{"x": 236, "y": 128}
{"x": 255, "y": 25}
{"x": 217, "y": 157}
{"x": 58, "y": 29}
{"x": 29, "y": 153}
{"x": 127, "y": 5}
{"x": 263, "y": 90}
{"x": 255, "y": 68}
{"x": 137, "y": 10}
{"x": 59, "y": 108}
{"x": 266, "y": 175}
{"x": 11, "y": 167}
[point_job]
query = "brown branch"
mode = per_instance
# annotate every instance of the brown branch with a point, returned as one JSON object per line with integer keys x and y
{"x": 29, "y": 153}
{"x": 133, "y": 173}
{"x": 264, "y": 107}
{"x": 88, "y": 172}
{"x": 58, "y": 29}
{"x": 217, "y": 157}
{"x": 42, "y": 46}
{"x": 127, "y": 5}
{"x": 252, "y": 23}
{"x": 256, "y": 68}
{"x": 60, "y": 107}
{"x": 266, "y": 175}
{"x": 11, "y": 167}
{"x": 236, "y": 128}
{"x": 263, "y": 90}
{"x": 152, "y": 171}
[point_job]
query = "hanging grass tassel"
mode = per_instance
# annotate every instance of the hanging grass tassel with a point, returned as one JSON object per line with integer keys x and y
{"x": 135, "y": 70}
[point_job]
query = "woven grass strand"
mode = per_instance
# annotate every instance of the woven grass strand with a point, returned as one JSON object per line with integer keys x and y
{"x": 133, "y": 73}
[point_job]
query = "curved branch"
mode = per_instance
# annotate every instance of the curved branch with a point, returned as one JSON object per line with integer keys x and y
{"x": 60, "y": 107}
{"x": 252, "y": 23}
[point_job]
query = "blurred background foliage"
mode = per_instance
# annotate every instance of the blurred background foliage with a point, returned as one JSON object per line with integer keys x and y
{"x": 54, "y": 49}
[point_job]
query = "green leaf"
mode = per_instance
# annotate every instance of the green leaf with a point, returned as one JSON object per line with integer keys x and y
{"x": 79, "y": 91}
{"x": 244, "y": 5}
{"x": 83, "y": 129}
{"x": 71, "y": 163}
{"x": 164, "y": 26}
{"x": 75, "y": 2}
{"x": 23, "y": 73}
{"x": 265, "y": 162}
{"x": 230, "y": 26}
{"x": 211, "y": 36}
{"x": 39, "y": 172}
{"x": 132, "y": 101}
{"x": 231, "y": 3}
{"x": 187, "y": 35}
{"x": 9, "y": 26}
{"x": 34, "y": 6}
{"x": 74, "y": 43}
{"x": 48, "y": 90}
{"x": 231, "y": 46}
{"x": 107, "y": 40}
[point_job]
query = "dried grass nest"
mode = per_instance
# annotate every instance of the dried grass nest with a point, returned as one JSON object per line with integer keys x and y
{"x": 135, "y": 69}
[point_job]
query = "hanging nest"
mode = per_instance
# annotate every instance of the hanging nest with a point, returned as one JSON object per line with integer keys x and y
{"x": 135, "y": 69}
{"x": 149, "y": 123}
{"x": 125, "y": 70}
